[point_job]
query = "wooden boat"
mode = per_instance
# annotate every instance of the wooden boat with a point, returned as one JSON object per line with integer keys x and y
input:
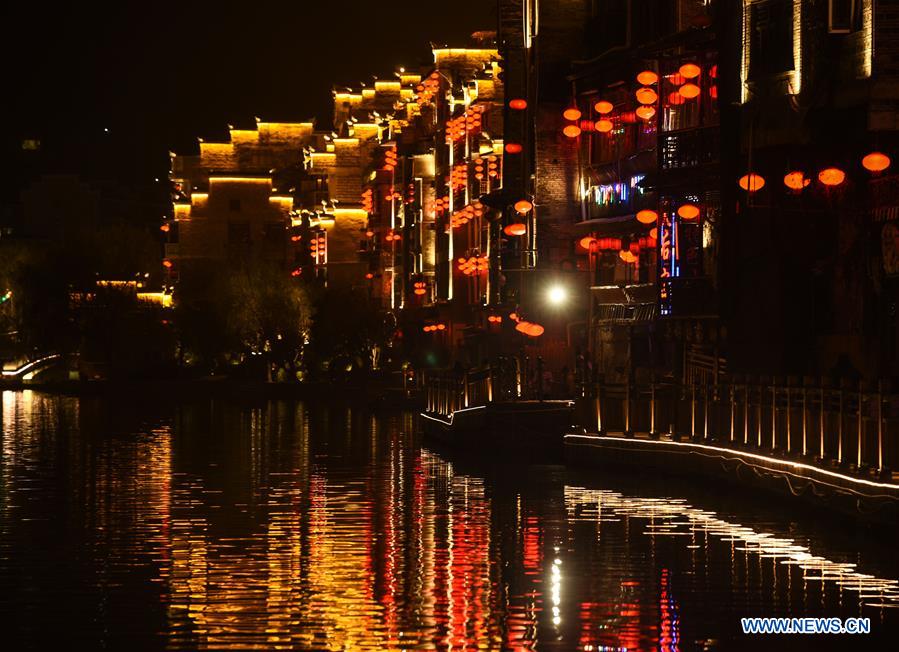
{"x": 514, "y": 426}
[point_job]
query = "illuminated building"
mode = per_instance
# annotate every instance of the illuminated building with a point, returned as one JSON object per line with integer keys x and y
{"x": 648, "y": 183}
{"x": 233, "y": 200}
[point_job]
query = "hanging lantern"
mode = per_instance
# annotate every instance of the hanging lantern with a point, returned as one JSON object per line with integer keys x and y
{"x": 654, "y": 233}
{"x": 831, "y": 176}
{"x": 604, "y": 126}
{"x": 523, "y": 206}
{"x": 518, "y": 104}
{"x": 513, "y": 148}
{"x": 752, "y": 182}
{"x": 588, "y": 242}
{"x": 603, "y": 107}
{"x": 713, "y": 92}
{"x": 515, "y": 229}
{"x": 646, "y": 95}
{"x": 647, "y": 77}
{"x": 876, "y": 162}
{"x": 646, "y": 112}
{"x": 572, "y": 131}
{"x": 688, "y": 211}
{"x": 689, "y": 70}
{"x": 796, "y": 180}
{"x": 689, "y": 91}
{"x": 676, "y": 99}
{"x": 530, "y": 329}
{"x": 647, "y": 216}
{"x": 586, "y": 125}
{"x": 573, "y": 113}
{"x": 634, "y": 248}
{"x": 369, "y": 276}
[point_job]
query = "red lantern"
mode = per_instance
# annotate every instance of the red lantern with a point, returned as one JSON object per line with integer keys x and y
{"x": 646, "y": 112}
{"x": 523, "y": 206}
{"x": 831, "y": 176}
{"x": 796, "y": 180}
{"x": 647, "y": 217}
{"x": 588, "y": 242}
{"x": 572, "y": 131}
{"x": 513, "y": 148}
{"x": 876, "y": 162}
{"x": 646, "y": 95}
{"x": 675, "y": 98}
{"x": 752, "y": 182}
{"x": 647, "y": 77}
{"x": 688, "y": 211}
{"x": 515, "y": 229}
{"x": 604, "y": 126}
{"x": 518, "y": 104}
{"x": 603, "y": 107}
{"x": 689, "y": 91}
{"x": 690, "y": 70}
{"x": 572, "y": 113}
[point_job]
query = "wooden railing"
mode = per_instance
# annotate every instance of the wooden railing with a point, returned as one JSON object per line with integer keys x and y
{"x": 850, "y": 425}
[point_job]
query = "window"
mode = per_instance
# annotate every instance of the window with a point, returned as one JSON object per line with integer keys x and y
{"x": 234, "y": 205}
{"x": 844, "y": 16}
{"x": 771, "y": 38}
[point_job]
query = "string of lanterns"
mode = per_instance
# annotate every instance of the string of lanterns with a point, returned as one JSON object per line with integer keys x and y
{"x": 795, "y": 180}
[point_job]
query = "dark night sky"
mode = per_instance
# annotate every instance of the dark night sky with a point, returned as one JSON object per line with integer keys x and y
{"x": 158, "y": 74}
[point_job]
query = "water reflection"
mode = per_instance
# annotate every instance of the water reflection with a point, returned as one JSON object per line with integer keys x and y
{"x": 215, "y": 525}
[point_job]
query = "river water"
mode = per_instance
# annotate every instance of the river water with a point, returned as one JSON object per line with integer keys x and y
{"x": 136, "y": 524}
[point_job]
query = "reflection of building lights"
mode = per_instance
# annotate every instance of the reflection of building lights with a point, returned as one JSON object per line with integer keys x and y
{"x": 556, "y": 590}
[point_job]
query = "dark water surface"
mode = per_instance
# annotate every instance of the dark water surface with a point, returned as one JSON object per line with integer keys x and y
{"x": 283, "y": 525}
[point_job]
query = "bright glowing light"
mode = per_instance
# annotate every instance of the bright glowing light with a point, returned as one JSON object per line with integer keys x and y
{"x": 557, "y": 295}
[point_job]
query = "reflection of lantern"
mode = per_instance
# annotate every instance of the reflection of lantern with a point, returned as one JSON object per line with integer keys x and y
{"x": 164, "y": 228}
{"x": 572, "y": 131}
{"x": 675, "y": 98}
{"x": 796, "y": 180}
{"x": 645, "y": 112}
{"x": 518, "y": 104}
{"x": 647, "y": 77}
{"x": 831, "y": 176}
{"x": 515, "y": 229}
{"x": 688, "y": 211}
{"x": 523, "y": 206}
{"x": 876, "y": 162}
{"x": 572, "y": 114}
{"x": 628, "y": 256}
{"x": 587, "y": 242}
{"x": 654, "y": 233}
{"x": 689, "y": 70}
{"x": 513, "y": 148}
{"x": 689, "y": 91}
{"x": 603, "y": 107}
{"x": 604, "y": 126}
{"x": 167, "y": 263}
{"x": 647, "y": 217}
{"x": 752, "y": 182}
{"x": 369, "y": 276}
{"x": 646, "y": 95}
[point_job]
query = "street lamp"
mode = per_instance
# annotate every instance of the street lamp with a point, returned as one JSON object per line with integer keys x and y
{"x": 557, "y": 295}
